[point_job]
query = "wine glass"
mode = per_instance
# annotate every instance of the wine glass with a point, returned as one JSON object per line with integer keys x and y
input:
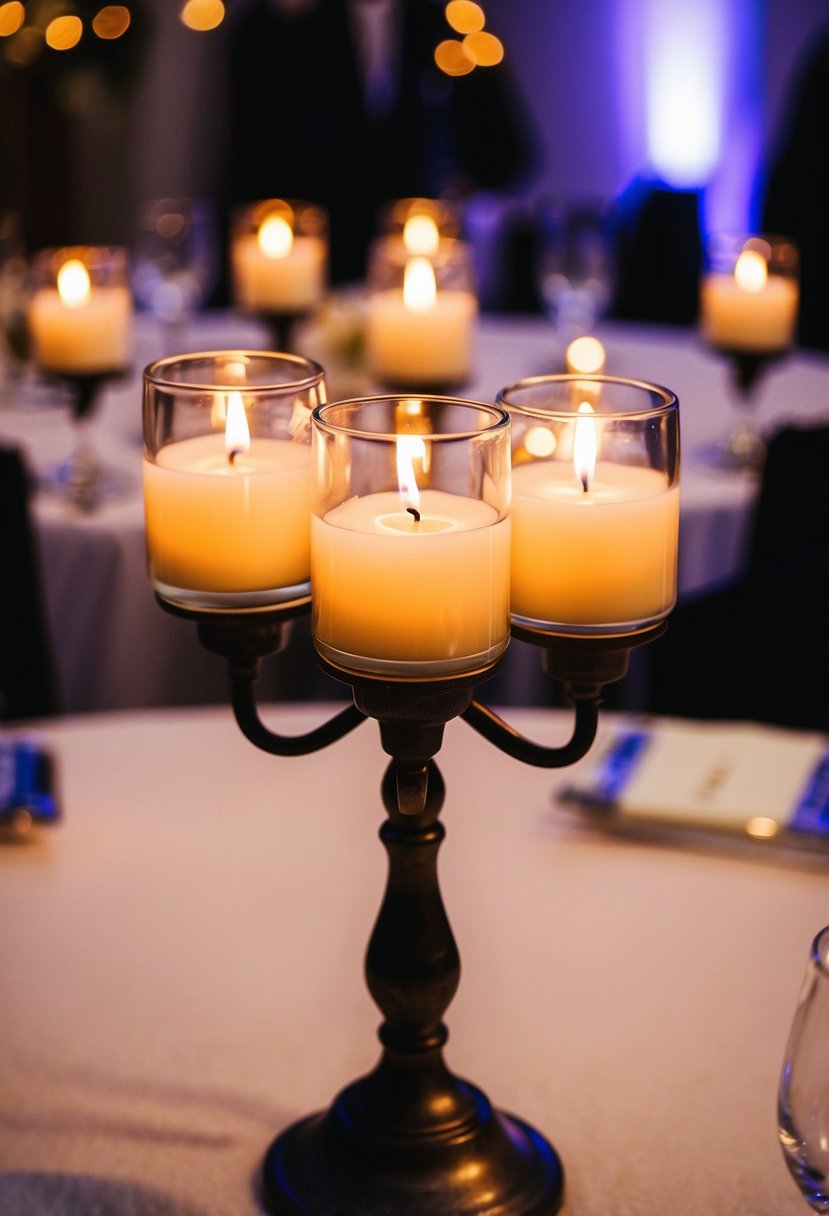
{"x": 749, "y": 297}
{"x": 175, "y": 263}
{"x": 80, "y": 316}
{"x": 803, "y": 1099}
{"x": 574, "y": 264}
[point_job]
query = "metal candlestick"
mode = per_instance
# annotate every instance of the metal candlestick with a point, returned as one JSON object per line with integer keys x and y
{"x": 410, "y": 1136}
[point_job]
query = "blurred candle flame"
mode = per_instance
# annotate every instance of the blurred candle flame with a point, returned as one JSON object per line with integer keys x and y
{"x": 74, "y": 287}
{"x": 585, "y": 446}
{"x": 420, "y": 235}
{"x": 275, "y": 237}
{"x": 419, "y": 286}
{"x": 751, "y": 271}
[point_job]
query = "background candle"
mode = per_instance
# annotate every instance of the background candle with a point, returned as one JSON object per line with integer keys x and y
{"x": 749, "y": 298}
{"x": 220, "y": 526}
{"x": 432, "y": 347}
{"x": 80, "y": 327}
{"x": 290, "y": 282}
{"x": 394, "y": 595}
{"x": 604, "y": 556}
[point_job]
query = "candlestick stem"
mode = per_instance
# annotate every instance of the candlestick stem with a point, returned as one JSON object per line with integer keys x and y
{"x": 410, "y": 1136}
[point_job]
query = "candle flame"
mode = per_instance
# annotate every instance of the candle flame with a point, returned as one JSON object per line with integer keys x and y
{"x": 237, "y": 431}
{"x": 275, "y": 237}
{"x": 74, "y": 287}
{"x": 419, "y": 287}
{"x": 585, "y": 446}
{"x": 409, "y": 449}
{"x": 751, "y": 271}
{"x": 421, "y": 235}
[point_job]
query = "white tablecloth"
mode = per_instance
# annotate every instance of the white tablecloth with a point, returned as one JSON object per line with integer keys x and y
{"x": 116, "y": 648}
{"x": 182, "y": 963}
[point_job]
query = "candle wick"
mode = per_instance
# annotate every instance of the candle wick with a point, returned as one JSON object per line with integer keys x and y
{"x": 584, "y": 483}
{"x": 414, "y": 511}
{"x": 233, "y": 453}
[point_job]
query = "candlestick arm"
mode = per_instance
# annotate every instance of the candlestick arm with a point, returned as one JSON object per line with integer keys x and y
{"x": 509, "y": 740}
{"x": 253, "y": 728}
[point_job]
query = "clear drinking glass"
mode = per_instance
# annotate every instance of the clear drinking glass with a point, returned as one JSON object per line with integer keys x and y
{"x": 803, "y": 1100}
{"x": 175, "y": 263}
{"x": 227, "y": 478}
{"x": 575, "y": 264}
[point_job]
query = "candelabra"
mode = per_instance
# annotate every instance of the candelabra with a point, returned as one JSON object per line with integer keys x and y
{"x": 410, "y": 1136}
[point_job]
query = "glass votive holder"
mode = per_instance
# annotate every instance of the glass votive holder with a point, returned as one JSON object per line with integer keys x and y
{"x": 595, "y": 503}
{"x": 227, "y": 478}
{"x": 421, "y": 221}
{"x": 410, "y": 536}
{"x": 279, "y": 257}
{"x": 421, "y": 316}
{"x": 80, "y": 313}
{"x": 749, "y": 293}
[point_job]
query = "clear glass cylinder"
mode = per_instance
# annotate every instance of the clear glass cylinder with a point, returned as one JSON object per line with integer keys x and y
{"x": 803, "y": 1100}
{"x": 421, "y": 315}
{"x": 595, "y": 503}
{"x": 279, "y": 256}
{"x": 227, "y": 478}
{"x": 80, "y": 311}
{"x": 750, "y": 293}
{"x": 410, "y": 536}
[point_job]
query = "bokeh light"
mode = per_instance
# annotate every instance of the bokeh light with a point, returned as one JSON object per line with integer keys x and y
{"x": 64, "y": 32}
{"x": 485, "y": 50}
{"x": 12, "y": 16}
{"x": 203, "y": 14}
{"x": 464, "y": 16}
{"x": 112, "y": 21}
{"x": 452, "y": 59}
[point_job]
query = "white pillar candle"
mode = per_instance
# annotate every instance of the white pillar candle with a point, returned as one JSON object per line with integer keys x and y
{"x": 223, "y": 521}
{"x": 78, "y": 328}
{"x": 397, "y": 596}
{"x": 602, "y": 556}
{"x": 419, "y": 335}
{"x": 274, "y": 270}
{"x": 749, "y": 310}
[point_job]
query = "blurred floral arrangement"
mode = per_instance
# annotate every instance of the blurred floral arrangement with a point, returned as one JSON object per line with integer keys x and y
{"x": 334, "y": 335}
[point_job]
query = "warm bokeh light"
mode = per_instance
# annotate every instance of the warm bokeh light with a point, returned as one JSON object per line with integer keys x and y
{"x": 464, "y": 16}
{"x": 275, "y": 237}
{"x": 540, "y": 441}
{"x": 586, "y": 355}
{"x": 751, "y": 271}
{"x": 419, "y": 287}
{"x": 74, "y": 287}
{"x": 112, "y": 21}
{"x": 420, "y": 234}
{"x": 452, "y": 59}
{"x": 203, "y": 14}
{"x": 485, "y": 50}
{"x": 12, "y": 17}
{"x": 63, "y": 33}
{"x": 761, "y": 827}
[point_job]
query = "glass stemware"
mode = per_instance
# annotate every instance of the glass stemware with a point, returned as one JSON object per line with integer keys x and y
{"x": 749, "y": 296}
{"x": 80, "y": 316}
{"x": 574, "y": 265}
{"x": 803, "y": 1100}
{"x": 175, "y": 263}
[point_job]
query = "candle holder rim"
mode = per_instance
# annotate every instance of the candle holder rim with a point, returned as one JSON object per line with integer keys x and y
{"x": 500, "y": 416}
{"x": 92, "y": 256}
{"x": 316, "y": 374}
{"x": 669, "y": 403}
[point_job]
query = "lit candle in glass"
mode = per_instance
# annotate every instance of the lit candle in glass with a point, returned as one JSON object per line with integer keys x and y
{"x": 410, "y": 583}
{"x": 227, "y": 478}
{"x": 749, "y": 298}
{"x": 421, "y": 312}
{"x": 595, "y": 505}
{"x": 81, "y": 314}
{"x": 279, "y": 257}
